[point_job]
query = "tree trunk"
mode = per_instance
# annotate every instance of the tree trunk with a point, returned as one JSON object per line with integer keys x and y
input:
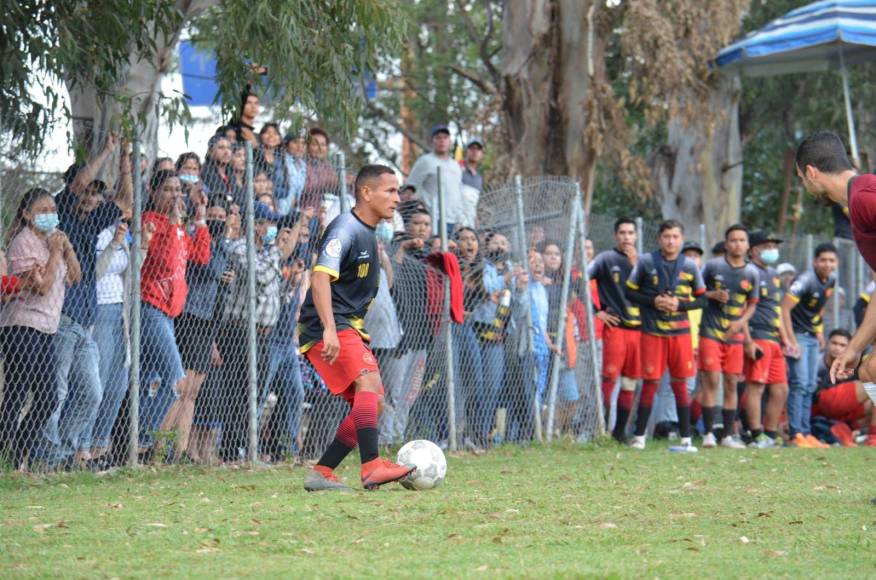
{"x": 698, "y": 173}
{"x": 551, "y": 58}
{"x": 93, "y": 117}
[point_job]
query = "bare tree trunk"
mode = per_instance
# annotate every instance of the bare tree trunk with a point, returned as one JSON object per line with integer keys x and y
{"x": 551, "y": 58}
{"x": 698, "y": 172}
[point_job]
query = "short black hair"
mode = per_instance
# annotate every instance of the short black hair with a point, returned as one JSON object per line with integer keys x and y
{"x": 669, "y": 225}
{"x": 159, "y": 177}
{"x": 219, "y": 200}
{"x": 824, "y": 248}
{"x": 624, "y": 220}
{"x": 735, "y": 228}
{"x": 318, "y": 131}
{"x": 840, "y": 332}
{"x": 369, "y": 173}
{"x": 824, "y": 151}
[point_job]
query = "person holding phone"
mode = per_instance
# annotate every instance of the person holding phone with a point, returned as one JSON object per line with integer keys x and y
{"x": 765, "y": 365}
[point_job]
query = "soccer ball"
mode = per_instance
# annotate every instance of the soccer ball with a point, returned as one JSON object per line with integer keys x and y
{"x": 430, "y": 462}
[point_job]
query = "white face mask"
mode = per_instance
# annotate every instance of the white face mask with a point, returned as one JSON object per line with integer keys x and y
{"x": 770, "y": 256}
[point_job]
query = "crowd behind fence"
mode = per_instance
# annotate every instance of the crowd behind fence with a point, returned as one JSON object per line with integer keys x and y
{"x": 160, "y": 326}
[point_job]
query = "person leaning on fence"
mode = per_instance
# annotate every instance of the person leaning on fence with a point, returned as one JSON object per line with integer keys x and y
{"x": 164, "y": 291}
{"x": 43, "y": 259}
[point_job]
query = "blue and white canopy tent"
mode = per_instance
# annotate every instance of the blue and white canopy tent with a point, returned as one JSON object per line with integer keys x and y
{"x": 820, "y": 36}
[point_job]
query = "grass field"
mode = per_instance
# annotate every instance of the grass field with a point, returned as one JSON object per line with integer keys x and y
{"x": 560, "y": 511}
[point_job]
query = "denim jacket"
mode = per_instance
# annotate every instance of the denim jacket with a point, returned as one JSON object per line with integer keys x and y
{"x": 203, "y": 282}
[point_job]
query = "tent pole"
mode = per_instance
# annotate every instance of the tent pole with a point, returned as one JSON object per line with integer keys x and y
{"x": 850, "y": 118}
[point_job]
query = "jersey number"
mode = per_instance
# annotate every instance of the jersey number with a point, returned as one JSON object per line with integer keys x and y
{"x": 363, "y": 270}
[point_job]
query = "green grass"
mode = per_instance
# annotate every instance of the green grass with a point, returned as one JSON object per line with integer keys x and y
{"x": 560, "y": 511}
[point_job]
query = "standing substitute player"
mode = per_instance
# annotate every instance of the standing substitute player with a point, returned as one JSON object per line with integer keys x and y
{"x": 732, "y": 289}
{"x": 332, "y": 330}
{"x": 666, "y": 284}
{"x": 620, "y": 339}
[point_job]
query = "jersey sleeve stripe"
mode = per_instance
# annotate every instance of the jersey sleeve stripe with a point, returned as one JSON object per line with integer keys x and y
{"x": 334, "y": 274}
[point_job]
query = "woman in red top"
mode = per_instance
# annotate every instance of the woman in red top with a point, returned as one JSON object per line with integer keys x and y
{"x": 163, "y": 292}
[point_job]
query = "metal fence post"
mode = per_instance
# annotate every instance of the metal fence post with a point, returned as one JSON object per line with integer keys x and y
{"x": 810, "y": 248}
{"x": 252, "y": 334}
{"x": 640, "y": 238}
{"x": 448, "y": 335}
{"x": 591, "y": 330}
{"x": 563, "y": 314}
{"x": 530, "y": 346}
{"x": 342, "y": 183}
{"x": 704, "y": 242}
{"x": 136, "y": 249}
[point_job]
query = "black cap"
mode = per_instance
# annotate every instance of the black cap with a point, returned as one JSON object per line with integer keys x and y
{"x": 762, "y": 237}
{"x": 477, "y": 141}
{"x": 692, "y": 246}
{"x": 719, "y": 248}
{"x": 440, "y": 129}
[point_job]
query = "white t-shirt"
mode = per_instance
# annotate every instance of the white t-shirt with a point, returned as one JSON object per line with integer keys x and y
{"x": 424, "y": 177}
{"x": 111, "y": 286}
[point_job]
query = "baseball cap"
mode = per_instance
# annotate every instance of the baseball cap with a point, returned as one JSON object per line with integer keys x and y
{"x": 762, "y": 237}
{"x": 440, "y": 129}
{"x": 263, "y": 212}
{"x": 475, "y": 141}
{"x": 692, "y": 246}
{"x": 719, "y": 248}
{"x": 785, "y": 268}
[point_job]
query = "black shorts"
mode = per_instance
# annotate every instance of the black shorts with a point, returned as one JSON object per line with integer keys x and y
{"x": 194, "y": 338}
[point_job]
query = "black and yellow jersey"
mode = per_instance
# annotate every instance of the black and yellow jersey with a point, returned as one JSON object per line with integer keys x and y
{"x": 686, "y": 286}
{"x": 611, "y": 270}
{"x": 741, "y": 283}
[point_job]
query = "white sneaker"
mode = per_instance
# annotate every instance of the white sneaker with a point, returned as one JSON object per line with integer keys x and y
{"x": 637, "y": 442}
{"x": 709, "y": 441}
{"x": 870, "y": 388}
{"x": 731, "y": 442}
{"x": 685, "y": 446}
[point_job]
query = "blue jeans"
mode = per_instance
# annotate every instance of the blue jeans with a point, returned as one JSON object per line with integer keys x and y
{"x": 284, "y": 374}
{"x": 487, "y": 398}
{"x": 162, "y": 367}
{"x": 802, "y": 381}
{"x": 109, "y": 335}
{"x": 77, "y": 378}
{"x": 467, "y": 373}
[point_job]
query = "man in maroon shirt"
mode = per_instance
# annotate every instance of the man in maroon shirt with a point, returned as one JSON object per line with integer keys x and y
{"x": 827, "y": 173}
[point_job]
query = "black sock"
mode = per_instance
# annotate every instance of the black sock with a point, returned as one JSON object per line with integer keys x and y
{"x": 333, "y": 456}
{"x": 367, "y": 437}
{"x": 709, "y": 418}
{"x": 771, "y": 434}
{"x": 683, "y": 421}
{"x": 642, "y": 420}
{"x": 620, "y": 426}
{"x": 755, "y": 433}
{"x": 729, "y": 421}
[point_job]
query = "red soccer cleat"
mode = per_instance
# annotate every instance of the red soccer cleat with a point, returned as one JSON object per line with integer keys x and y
{"x": 380, "y": 471}
{"x": 843, "y": 434}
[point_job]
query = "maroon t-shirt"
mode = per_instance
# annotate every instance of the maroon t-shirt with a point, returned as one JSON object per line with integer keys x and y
{"x": 862, "y": 214}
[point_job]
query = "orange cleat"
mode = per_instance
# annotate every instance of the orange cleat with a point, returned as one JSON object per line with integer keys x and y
{"x": 843, "y": 434}
{"x": 799, "y": 440}
{"x": 816, "y": 443}
{"x": 380, "y": 471}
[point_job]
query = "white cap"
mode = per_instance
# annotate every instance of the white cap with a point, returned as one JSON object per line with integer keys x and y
{"x": 785, "y": 267}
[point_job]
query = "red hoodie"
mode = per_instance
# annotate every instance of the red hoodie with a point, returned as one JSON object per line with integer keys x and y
{"x": 164, "y": 270}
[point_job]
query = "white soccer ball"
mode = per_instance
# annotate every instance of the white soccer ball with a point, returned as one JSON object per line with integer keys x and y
{"x": 430, "y": 462}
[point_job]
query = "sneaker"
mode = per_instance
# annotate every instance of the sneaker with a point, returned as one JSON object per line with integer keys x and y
{"x": 380, "y": 471}
{"x": 816, "y": 443}
{"x": 763, "y": 441}
{"x": 684, "y": 446}
{"x": 732, "y": 442}
{"x": 637, "y": 442}
{"x": 843, "y": 434}
{"x": 709, "y": 441}
{"x": 799, "y": 440}
{"x": 324, "y": 480}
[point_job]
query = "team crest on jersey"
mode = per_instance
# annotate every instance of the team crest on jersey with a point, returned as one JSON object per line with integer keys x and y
{"x": 615, "y": 276}
{"x": 745, "y": 285}
{"x": 828, "y": 292}
{"x": 333, "y": 248}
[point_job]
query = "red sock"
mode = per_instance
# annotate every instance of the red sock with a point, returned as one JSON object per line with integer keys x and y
{"x": 346, "y": 433}
{"x": 607, "y": 391}
{"x": 679, "y": 388}
{"x": 364, "y": 415}
{"x": 649, "y": 389}
{"x": 625, "y": 399}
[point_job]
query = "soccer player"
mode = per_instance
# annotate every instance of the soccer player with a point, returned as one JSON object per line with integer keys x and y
{"x": 826, "y": 173}
{"x": 765, "y": 365}
{"x": 666, "y": 285}
{"x": 620, "y": 339}
{"x": 332, "y": 330}
{"x": 802, "y": 309}
{"x": 731, "y": 288}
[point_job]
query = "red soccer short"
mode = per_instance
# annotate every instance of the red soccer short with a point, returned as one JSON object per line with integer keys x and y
{"x": 840, "y": 403}
{"x": 716, "y": 356}
{"x": 771, "y": 369}
{"x": 354, "y": 360}
{"x": 662, "y": 352}
{"x": 621, "y": 353}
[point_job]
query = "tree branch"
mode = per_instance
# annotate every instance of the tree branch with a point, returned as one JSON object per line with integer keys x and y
{"x": 482, "y": 42}
{"x": 483, "y": 84}
{"x": 387, "y": 118}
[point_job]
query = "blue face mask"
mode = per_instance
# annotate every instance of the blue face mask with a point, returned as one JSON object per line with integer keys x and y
{"x": 384, "y": 232}
{"x": 46, "y": 222}
{"x": 186, "y": 178}
{"x": 770, "y": 256}
{"x": 270, "y": 235}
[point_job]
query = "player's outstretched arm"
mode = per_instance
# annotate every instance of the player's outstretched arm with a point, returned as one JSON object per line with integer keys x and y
{"x": 844, "y": 364}
{"x": 322, "y": 300}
